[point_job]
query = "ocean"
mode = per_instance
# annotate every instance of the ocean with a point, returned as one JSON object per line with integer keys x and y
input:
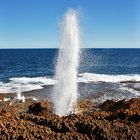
{"x": 103, "y": 73}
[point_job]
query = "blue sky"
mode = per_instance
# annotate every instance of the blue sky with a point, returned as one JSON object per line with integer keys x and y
{"x": 35, "y": 23}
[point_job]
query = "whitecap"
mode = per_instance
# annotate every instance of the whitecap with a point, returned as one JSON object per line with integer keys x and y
{"x": 92, "y": 77}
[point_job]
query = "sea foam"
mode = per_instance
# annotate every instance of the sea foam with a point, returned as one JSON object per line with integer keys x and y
{"x": 28, "y": 84}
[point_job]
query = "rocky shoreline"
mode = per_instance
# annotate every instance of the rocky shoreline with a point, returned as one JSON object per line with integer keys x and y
{"x": 35, "y": 120}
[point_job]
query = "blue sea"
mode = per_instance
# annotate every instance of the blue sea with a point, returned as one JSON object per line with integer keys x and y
{"x": 103, "y": 73}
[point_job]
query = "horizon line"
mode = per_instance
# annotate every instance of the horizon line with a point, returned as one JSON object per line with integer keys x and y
{"x": 80, "y": 48}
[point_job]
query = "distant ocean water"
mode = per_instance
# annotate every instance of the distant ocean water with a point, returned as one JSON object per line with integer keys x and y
{"x": 32, "y": 69}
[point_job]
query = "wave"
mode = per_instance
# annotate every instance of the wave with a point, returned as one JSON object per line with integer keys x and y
{"x": 25, "y": 84}
{"x": 28, "y": 84}
{"x": 34, "y": 80}
{"x": 92, "y": 77}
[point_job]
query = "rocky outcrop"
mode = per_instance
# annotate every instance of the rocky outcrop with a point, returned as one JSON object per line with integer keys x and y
{"x": 123, "y": 109}
{"x": 40, "y": 108}
{"x": 112, "y": 120}
{"x": 1, "y": 97}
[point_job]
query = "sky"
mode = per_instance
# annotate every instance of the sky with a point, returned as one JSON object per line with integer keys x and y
{"x": 36, "y": 23}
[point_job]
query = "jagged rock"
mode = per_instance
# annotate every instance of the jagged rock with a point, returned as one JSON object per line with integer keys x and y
{"x": 115, "y": 120}
{"x": 38, "y": 108}
{"x": 1, "y": 97}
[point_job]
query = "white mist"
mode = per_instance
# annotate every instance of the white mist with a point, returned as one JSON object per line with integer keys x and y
{"x": 18, "y": 98}
{"x": 65, "y": 93}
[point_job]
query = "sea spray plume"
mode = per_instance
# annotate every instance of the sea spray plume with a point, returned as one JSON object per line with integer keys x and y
{"x": 65, "y": 93}
{"x": 18, "y": 98}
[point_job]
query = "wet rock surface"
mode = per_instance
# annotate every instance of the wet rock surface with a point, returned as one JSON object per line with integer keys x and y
{"x": 110, "y": 120}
